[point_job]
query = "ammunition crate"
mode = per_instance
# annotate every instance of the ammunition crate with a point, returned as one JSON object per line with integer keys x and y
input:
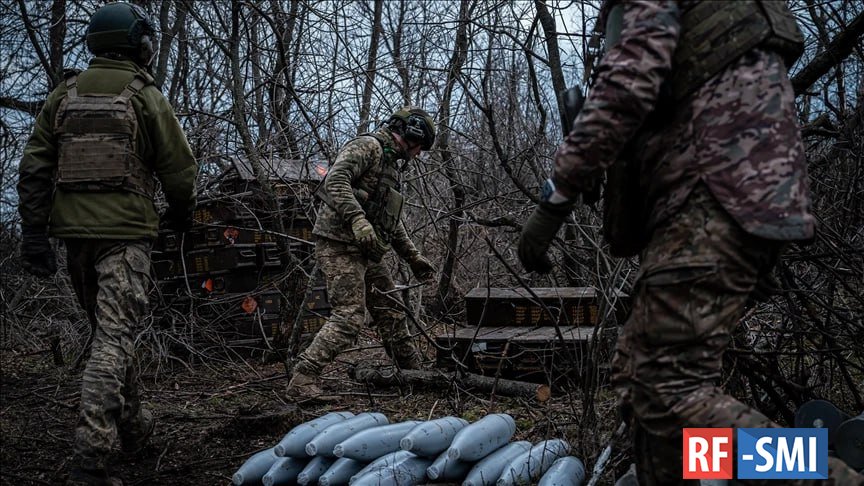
{"x": 304, "y": 232}
{"x": 525, "y": 353}
{"x": 238, "y": 315}
{"x": 213, "y": 261}
{"x": 229, "y": 210}
{"x": 203, "y": 237}
{"x": 213, "y": 285}
{"x": 569, "y": 306}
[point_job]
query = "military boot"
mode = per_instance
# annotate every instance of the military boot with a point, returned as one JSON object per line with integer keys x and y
{"x": 80, "y": 476}
{"x": 134, "y": 439}
{"x": 305, "y": 387}
{"x": 410, "y": 362}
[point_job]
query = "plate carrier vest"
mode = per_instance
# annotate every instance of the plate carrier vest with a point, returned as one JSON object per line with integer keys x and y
{"x": 97, "y": 138}
{"x": 383, "y": 202}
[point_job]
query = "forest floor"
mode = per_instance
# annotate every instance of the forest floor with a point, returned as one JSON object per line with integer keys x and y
{"x": 212, "y": 415}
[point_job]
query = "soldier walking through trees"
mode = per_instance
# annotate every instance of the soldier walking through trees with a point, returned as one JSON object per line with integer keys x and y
{"x": 693, "y": 106}
{"x": 357, "y": 225}
{"x": 87, "y": 177}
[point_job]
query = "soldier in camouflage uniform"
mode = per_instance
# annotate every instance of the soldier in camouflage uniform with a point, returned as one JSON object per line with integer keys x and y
{"x": 357, "y": 224}
{"x": 87, "y": 177}
{"x": 721, "y": 175}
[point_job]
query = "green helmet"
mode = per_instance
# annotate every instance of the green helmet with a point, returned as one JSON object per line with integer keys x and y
{"x": 123, "y": 28}
{"x": 415, "y": 124}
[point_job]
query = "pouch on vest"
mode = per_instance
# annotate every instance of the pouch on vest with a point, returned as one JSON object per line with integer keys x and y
{"x": 97, "y": 136}
{"x": 715, "y": 34}
{"x": 381, "y": 203}
{"x": 391, "y": 213}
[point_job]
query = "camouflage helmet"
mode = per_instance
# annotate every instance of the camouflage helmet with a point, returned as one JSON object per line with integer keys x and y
{"x": 123, "y": 28}
{"x": 415, "y": 125}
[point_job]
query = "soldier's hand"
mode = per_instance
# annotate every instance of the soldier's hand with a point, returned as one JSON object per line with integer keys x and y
{"x": 538, "y": 233}
{"x": 376, "y": 254}
{"x": 422, "y": 269}
{"x": 37, "y": 255}
{"x": 364, "y": 235}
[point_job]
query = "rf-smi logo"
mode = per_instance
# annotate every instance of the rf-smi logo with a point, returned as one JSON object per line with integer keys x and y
{"x": 762, "y": 453}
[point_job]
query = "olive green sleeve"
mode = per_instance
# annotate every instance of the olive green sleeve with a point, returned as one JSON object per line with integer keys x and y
{"x": 351, "y": 163}
{"x": 402, "y": 244}
{"x": 38, "y": 166}
{"x": 174, "y": 164}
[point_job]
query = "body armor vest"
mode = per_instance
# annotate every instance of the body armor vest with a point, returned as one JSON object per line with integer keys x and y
{"x": 97, "y": 138}
{"x": 715, "y": 34}
{"x": 382, "y": 202}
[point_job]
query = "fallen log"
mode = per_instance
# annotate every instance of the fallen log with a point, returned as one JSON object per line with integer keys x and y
{"x": 441, "y": 379}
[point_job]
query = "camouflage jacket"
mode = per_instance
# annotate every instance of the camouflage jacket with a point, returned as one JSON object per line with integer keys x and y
{"x": 359, "y": 163}
{"x": 737, "y": 133}
{"x": 114, "y": 214}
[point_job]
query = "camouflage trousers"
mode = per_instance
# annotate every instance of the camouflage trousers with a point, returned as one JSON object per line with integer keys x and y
{"x": 355, "y": 284}
{"x": 110, "y": 279}
{"x": 697, "y": 274}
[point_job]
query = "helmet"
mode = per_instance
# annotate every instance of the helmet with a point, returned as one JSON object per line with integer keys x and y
{"x": 415, "y": 125}
{"x": 123, "y": 28}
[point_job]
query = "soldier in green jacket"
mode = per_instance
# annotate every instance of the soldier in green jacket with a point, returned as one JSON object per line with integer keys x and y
{"x": 88, "y": 177}
{"x": 357, "y": 224}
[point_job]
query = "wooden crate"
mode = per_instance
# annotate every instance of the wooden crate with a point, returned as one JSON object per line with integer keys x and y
{"x": 213, "y": 261}
{"x": 569, "y": 306}
{"x": 528, "y": 353}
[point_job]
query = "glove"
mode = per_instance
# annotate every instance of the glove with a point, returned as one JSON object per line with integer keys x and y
{"x": 37, "y": 255}
{"x": 364, "y": 235}
{"x": 537, "y": 235}
{"x": 177, "y": 221}
{"x": 422, "y": 269}
{"x": 376, "y": 254}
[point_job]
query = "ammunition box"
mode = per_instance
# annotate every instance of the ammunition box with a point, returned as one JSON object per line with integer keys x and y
{"x": 213, "y": 261}
{"x": 565, "y": 306}
{"x": 525, "y": 353}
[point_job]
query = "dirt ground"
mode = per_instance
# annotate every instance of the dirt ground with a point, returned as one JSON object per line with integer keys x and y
{"x": 211, "y": 417}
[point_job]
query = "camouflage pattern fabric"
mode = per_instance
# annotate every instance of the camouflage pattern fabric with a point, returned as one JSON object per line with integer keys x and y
{"x": 359, "y": 165}
{"x": 697, "y": 274}
{"x": 736, "y": 133}
{"x": 354, "y": 284}
{"x": 111, "y": 280}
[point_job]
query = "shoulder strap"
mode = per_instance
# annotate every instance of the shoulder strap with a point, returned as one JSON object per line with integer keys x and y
{"x": 384, "y": 149}
{"x": 72, "y": 86}
{"x": 137, "y": 84}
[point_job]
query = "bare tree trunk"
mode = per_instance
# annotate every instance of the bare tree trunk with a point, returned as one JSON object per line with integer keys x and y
{"x": 369, "y": 84}
{"x": 454, "y": 71}
{"x": 53, "y": 79}
{"x": 57, "y": 36}
{"x": 257, "y": 81}
{"x": 286, "y": 67}
{"x": 179, "y": 81}
{"x": 837, "y": 50}
{"x": 398, "y": 61}
{"x": 239, "y": 112}
{"x": 551, "y": 35}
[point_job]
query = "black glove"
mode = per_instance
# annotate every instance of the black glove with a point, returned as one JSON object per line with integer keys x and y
{"x": 177, "y": 220}
{"x": 37, "y": 255}
{"x": 422, "y": 269}
{"x": 538, "y": 233}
